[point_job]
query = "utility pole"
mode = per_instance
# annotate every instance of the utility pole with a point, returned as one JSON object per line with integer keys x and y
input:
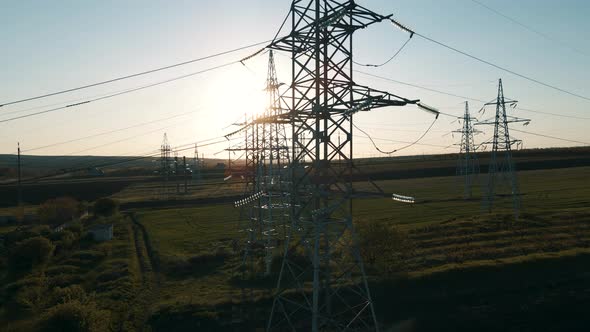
{"x": 20, "y": 188}
{"x": 502, "y": 168}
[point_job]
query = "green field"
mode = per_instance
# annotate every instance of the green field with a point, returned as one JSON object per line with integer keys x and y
{"x": 175, "y": 262}
{"x": 448, "y": 235}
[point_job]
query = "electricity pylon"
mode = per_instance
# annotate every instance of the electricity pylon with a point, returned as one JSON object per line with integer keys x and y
{"x": 264, "y": 208}
{"x": 272, "y": 177}
{"x": 467, "y": 165}
{"x": 165, "y": 162}
{"x": 502, "y": 168}
{"x": 197, "y": 166}
{"x": 322, "y": 283}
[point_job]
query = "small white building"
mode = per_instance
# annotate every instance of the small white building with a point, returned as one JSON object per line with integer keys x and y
{"x": 101, "y": 232}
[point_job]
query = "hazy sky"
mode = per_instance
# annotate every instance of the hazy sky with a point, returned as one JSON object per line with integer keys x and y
{"x": 54, "y": 45}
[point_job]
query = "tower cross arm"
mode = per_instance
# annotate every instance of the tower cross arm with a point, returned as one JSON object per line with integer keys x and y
{"x": 366, "y": 99}
{"x": 347, "y": 16}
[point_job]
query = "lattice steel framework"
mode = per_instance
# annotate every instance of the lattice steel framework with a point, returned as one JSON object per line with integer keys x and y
{"x": 198, "y": 164}
{"x": 265, "y": 207}
{"x": 467, "y": 165}
{"x": 165, "y": 157}
{"x": 273, "y": 177}
{"x": 322, "y": 283}
{"x": 249, "y": 216}
{"x": 502, "y": 168}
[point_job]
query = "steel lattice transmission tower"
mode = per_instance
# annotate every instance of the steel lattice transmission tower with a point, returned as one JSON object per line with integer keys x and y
{"x": 165, "y": 158}
{"x": 264, "y": 208}
{"x": 197, "y": 166}
{"x": 322, "y": 283}
{"x": 248, "y": 221}
{"x": 272, "y": 177}
{"x": 502, "y": 168}
{"x": 467, "y": 165}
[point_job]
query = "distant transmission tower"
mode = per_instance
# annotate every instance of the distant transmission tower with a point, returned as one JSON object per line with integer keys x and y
{"x": 468, "y": 165}
{"x": 165, "y": 162}
{"x": 197, "y": 166}
{"x": 502, "y": 168}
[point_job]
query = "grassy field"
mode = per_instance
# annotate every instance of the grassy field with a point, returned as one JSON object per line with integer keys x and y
{"x": 449, "y": 236}
{"x": 177, "y": 265}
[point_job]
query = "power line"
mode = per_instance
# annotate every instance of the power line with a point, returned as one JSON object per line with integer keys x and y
{"x": 535, "y": 31}
{"x": 417, "y": 86}
{"x": 398, "y": 141}
{"x": 399, "y": 149}
{"x": 70, "y": 101}
{"x": 109, "y": 132}
{"x": 554, "y": 114}
{"x": 548, "y": 136}
{"x": 134, "y": 75}
{"x": 463, "y": 97}
{"x": 389, "y": 60}
{"x": 503, "y": 68}
{"x": 121, "y": 92}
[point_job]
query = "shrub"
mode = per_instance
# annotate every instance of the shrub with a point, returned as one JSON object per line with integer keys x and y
{"x": 63, "y": 240}
{"x": 30, "y": 253}
{"x": 75, "y": 228}
{"x": 111, "y": 275}
{"x": 26, "y": 301}
{"x": 88, "y": 256}
{"x": 31, "y": 281}
{"x": 68, "y": 294}
{"x": 59, "y": 269}
{"x": 75, "y": 316}
{"x": 105, "y": 207}
{"x": 12, "y": 238}
{"x": 383, "y": 247}
{"x": 65, "y": 280}
{"x": 59, "y": 210}
{"x": 195, "y": 265}
{"x": 25, "y": 296}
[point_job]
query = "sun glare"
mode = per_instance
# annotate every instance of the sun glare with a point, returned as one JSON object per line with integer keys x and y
{"x": 236, "y": 94}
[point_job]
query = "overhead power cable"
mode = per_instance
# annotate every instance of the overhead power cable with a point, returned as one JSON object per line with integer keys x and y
{"x": 119, "y": 93}
{"x": 463, "y": 97}
{"x": 535, "y": 31}
{"x": 109, "y": 132}
{"x": 528, "y": 78}
{"x": 398, "y": 141}
{"x": 398, "y": 149}
{"x": 70, "y": 101}
{"x": 388, "y": 60}
{"x": 548, "y": 136}
{"x": 134, "y": 75}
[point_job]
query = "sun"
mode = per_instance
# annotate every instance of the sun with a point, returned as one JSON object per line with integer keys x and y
{"x": 237, "y": 93}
